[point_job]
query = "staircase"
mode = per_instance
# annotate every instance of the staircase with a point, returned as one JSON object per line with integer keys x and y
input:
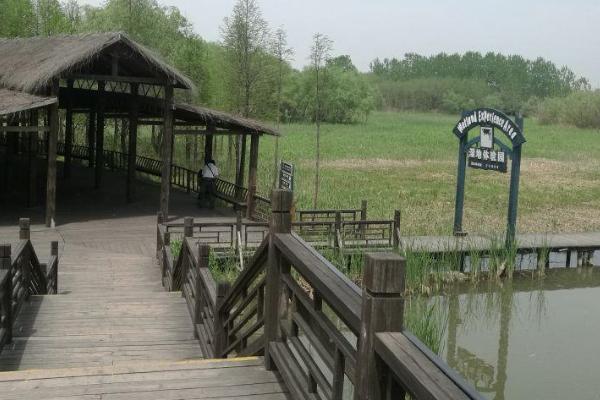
{"x": 114, "y": 332}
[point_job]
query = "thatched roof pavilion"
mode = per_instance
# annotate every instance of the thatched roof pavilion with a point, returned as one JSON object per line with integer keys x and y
{"x": 105, "y": 75}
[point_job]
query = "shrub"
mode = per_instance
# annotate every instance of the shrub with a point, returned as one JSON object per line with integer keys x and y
{"x": 580, "y": 109}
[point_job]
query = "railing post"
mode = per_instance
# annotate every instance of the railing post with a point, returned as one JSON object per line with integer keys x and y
{"x": 166, "y": 239}
{"x": 188, "y": 227}
{"x": 238, "y": 228}
{"x": 188, "y": 232}
{"x": 363, "y": 210}
{"x": 281, "y": 222}
{"x": 338, "y": 230}
{"x": 203, "y": 259}
{"x": 396, "y": 233}
{"x": 54, "y": 253}
{"x": 5, "y": 263}
{"x": 221, "y": 331}
{"x": 159, "y": 221}
{"x": 382, "y": 311}
{"x": 24, "y": 230}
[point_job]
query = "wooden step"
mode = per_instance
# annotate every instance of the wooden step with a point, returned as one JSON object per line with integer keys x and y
{"x": 191, "y": 379}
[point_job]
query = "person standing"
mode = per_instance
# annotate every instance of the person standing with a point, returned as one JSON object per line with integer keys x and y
{"x": 210, "y": 172}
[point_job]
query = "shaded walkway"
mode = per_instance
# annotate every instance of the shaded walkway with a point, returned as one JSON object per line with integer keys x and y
{"x": 111, "y": 306}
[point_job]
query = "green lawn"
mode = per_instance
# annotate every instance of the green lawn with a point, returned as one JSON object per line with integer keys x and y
{"x": 407, "y": 161}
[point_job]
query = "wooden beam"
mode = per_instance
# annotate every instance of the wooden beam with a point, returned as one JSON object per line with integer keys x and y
{"x": 99, "y": 164}
{"x": 204, "y": 132}
{"x": 24, "y": 129}
{"x": 52, "y": 147}
{"x": 111, "y": 78}
{"x": 68, "y": 134}
{"x": 167, "y": 145}
{"x": 132, "y": 148}
{"x": 252, "y": 174}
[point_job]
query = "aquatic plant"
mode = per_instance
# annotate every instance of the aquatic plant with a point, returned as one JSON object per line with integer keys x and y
{"x": 224, "y": 267}
{"x": 427, "y": 322}
{"x": 176, "y": 245}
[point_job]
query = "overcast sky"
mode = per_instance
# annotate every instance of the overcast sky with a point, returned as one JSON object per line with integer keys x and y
{"x": 566, "y": 32}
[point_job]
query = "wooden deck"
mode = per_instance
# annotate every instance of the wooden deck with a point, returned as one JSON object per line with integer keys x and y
{"x": 195, "y": 379}
{"x": 524, "y": 242}
{"x": 113, "y": 331}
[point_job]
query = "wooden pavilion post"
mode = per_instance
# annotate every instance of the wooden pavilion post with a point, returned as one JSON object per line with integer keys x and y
{"x": 132, "y": 148}
{"x": 32, "y": 169}
{"x": 239, "y": 172}
{"x": 68, "y": 133}
{"x": 208, "y": 142}
{"x": 252, "y": 174}
{"x": 91, "y": 136}
{"x": 52, "y": 144}
{"x": 167, "y": 144}
{"x": 99, "y": 162}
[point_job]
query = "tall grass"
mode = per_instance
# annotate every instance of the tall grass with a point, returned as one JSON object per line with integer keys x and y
{"x": 427, "y": 322}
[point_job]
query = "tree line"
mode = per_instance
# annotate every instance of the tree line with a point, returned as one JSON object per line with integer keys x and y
{"x": 452, "y": 82}
{"x": 248, "y": 71}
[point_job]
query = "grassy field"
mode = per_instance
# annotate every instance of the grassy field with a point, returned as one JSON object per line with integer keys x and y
{"x": 407, "y": 161}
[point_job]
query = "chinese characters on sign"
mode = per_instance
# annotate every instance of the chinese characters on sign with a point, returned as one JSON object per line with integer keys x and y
{"x": 286, "y": 176}
{"x": 485, "y": 156}
{"x": 482, "y": 158}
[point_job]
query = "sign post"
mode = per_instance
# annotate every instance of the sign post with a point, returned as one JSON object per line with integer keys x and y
{"x": 488, "y": 152}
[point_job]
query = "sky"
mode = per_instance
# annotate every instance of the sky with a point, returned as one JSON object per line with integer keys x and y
{"x": 566, "y": 32}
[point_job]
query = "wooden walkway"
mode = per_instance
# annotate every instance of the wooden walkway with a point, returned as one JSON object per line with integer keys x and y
{"x": 113, "y": 332}
{"x": 195, "y": 379}
{"x": 524, "y": 242}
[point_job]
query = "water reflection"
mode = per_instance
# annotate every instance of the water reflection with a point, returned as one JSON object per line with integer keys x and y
{"x": 527, "y": 338}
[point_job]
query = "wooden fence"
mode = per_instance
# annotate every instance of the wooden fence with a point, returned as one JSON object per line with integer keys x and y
{"x": 327, "y": 337}
{"x": 22, "y": 275}
{"x": 181, "y": 177}
{"x": 338, "y": 234}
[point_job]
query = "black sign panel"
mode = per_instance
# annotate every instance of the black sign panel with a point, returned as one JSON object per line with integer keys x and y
{"x": 488, "y": 159}
{"x": 286, "y": 176}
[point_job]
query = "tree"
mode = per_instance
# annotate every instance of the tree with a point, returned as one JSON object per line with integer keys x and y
{"x": 319, "y": 56}
{"x": 282, "y": 53}
{"x": 245, "y": 38}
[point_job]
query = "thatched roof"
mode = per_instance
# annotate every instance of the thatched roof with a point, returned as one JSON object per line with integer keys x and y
{"x": 12, "y": 101}
{"x": 30, "y": 64}
{"x": 203, "y": 115}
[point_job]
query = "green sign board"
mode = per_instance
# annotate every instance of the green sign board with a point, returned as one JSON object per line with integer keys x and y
{"x": 487, "y": 151}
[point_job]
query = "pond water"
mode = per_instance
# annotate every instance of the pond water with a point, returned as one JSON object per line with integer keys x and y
{"x": 529, "y": 338}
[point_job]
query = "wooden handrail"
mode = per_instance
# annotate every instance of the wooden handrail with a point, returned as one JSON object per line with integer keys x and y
{"x": 22, "y": 275}
{"x": 313, "y": 324}
{"x": 413, "y": 369}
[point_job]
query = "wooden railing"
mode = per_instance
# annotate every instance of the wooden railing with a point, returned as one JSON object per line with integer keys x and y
{"x": 338, "y": 234}
{"x": 327, "y": 337}
{"x": 262, "y": 208}
{"x": 182, "y": 177}
{"x": 22, "y": 275}
{"x": 331, "y": 215}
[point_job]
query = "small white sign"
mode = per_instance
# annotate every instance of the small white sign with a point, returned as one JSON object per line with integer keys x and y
{"x": 487, "y": 137}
